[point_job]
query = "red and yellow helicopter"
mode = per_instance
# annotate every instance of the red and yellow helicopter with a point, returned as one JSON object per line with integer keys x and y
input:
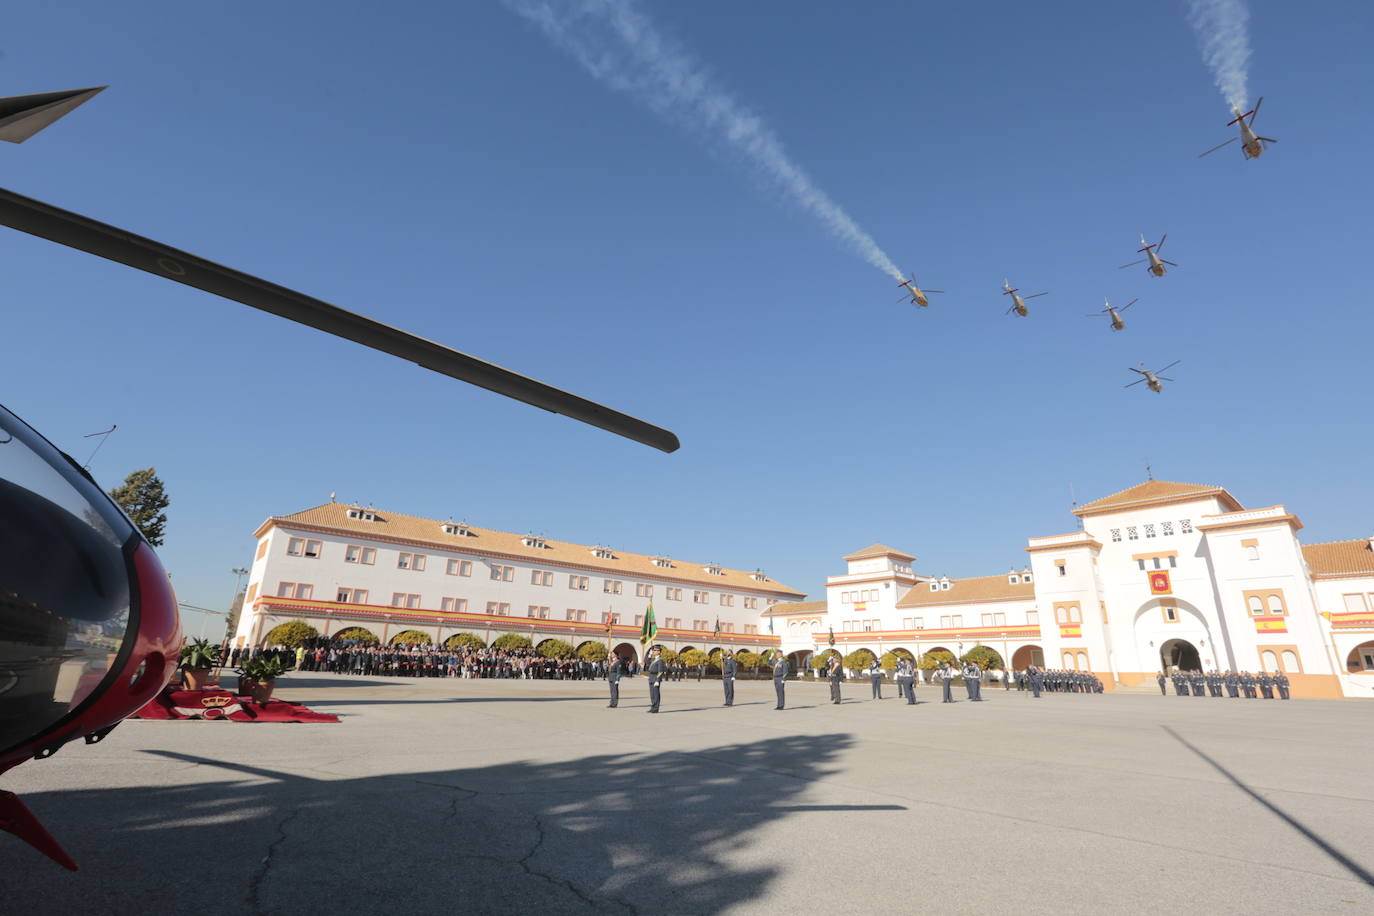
{"x": 89, "y": 630}
{"x": 1251, "y": 143}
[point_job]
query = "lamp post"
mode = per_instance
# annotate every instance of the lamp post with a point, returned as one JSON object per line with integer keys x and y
{"x": 238, "y": 572}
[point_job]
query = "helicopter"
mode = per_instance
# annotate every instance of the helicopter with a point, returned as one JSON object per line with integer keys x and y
{"x": 1152, "y": 255}
{"x": 1152, "y": 379}
{"x": 89, "y": 628}
{"x": 918, "y": 295}
{"x": 1018, "y": 303}
{"x": 1251, "y": 143}
{"x": 1115, "y": 313}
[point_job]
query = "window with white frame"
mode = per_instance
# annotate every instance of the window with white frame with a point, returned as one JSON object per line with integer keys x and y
{"x": 539, "y": 611}
{"x": 751, "y": 604}
{"x": 701, "y": 624}
{"x": 672, "y": 594}
{"x": 999, "y": 620}
{"x": 415, "y": 561}
{"x": 700, "y": 597}
{"x": 295, "y": 590}
{"x": 727, "y": 628}
{"x": 1033, "y": 618}
{"x": 1252, "y": 551}
{"x": 303, "y": 547}
{"x": 644, "y": 590}
{"x": 498, "y": 608}
{"x": 727, "y": 600}
{"x": 1170, "y": 613}
{"x": 1276, "y": 605}
{"x": 987, "y": 620}
{"x": 751, "y": 629}
{"x": 576, "y": 614}
{"x": 352, "y": 595}
{"x": 844, "y": 597}
{"x": 1255, "y": 605}
{"x": 541, "y": 577}
{"x": 502, "y": 573}
{"x": 612, "y": 586}
{"x": 405, "y": 599}
{"x": 577, "y": 583}
{"x": 1355, "y": 603}
{"x": 945, "y": 622}
{"x": 956, "y": 620}
{"x": 357, "y": 553}
{"x": 458, "y": 568}
{"x": 453, "y": 605}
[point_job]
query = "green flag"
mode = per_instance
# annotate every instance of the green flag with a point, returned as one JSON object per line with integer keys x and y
{"x": 832, "y": 636}
{"x": 650, "y": 630}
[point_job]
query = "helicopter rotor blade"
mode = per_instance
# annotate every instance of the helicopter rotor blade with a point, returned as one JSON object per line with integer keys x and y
{"x": 1217, "y": 147}
{"x": 1254, "y": 112}
{"x": 1132, "y": 264}
{"x": 1136, "y": 382}
{"x": 932, "y": 291}
{"x": 1269, "y": 140}
{"x": 1164, "y": 378}
{"x": 1128, "y": 305}
{"x": 1160, "y": 244}
{"x": 1036, "y": 295}
{"x": 1168, "y": 367}
{"x": 1167, "y": 261}
{"x": 85, "y": 234}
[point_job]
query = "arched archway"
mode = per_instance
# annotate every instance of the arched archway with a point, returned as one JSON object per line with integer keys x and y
{"x": 1026, "y": 656}
{"x": 412, "y": 638}
{"x": 627, "y": 651}
{"x": 798, "y": 660}
{"x": 1179, "y": 655}
{"x": 1361, "y": 658}
{"x": 550, "y": 643}
{"x": 686, "y": 649}
{"x": 353, "y": 633}
{"x": 903, "y": 653}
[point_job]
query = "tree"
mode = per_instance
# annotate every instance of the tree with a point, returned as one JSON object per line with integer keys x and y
{"x": 357, "y": 634}
{"x": 931, "y": 660}
{"x": 858, "y": 660}
{"x": 142, "y": 497}
{"x": 464, "y": 641}
{"x": 292, "y": 633}
{"x": 670, "y": 656}
{"x": 888, "y": 661}
{"x": 554, "y": 648}
{"x": 510, "y": 641}
{"x": 593, "y": 651}
{"x": 231, "y": 623}
{"x": 821, "y": 659}
{"x": 412, "y": 638}
{"x": 747, "y": 659}
{"x": 694, "y": 657}
{"x": 984, "y": 657}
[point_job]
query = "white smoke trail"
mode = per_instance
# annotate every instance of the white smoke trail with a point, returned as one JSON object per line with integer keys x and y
{"x": 1223, "y": 33}
{"x": 620, "y": 47}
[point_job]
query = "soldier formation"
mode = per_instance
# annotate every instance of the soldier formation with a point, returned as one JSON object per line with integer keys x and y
{"x": 1235, "y": 683}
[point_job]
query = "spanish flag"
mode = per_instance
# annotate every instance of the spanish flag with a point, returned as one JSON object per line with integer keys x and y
{"x": 1271, "y": 624}
{"x": 1068, "y": 630}
{"x": 650, "y": 631}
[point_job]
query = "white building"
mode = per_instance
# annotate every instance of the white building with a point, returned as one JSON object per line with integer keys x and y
{"x": 338, "y": 566}
{"x": 1161, "y": 575}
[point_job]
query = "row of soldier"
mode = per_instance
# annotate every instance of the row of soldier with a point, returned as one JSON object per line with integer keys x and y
{"x": 1235, "y": 683}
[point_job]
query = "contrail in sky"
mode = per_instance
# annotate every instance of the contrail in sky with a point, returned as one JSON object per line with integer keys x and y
{"x": 619, "y": 46}
{"x": 1223, "y": 34}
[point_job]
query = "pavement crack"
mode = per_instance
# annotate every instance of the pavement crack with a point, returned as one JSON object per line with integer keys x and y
{"x": 255, "y": 883}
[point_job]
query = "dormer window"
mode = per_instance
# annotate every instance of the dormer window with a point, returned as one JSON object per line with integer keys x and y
{"x": 457, "y": 530}
{"x": 758, "y": 576}
{"x": 714, "y": 571}
{"x": 1013, "y": 579}
{"x": 663, "y": 563}
{"x": 365, "y": 515}
{"x": 934, "y": 586}
{"x": 1026, "y": 577}
{"x": 944, "y": 585}
{"x": 531, "y": 541}
{"x": 603, "y": 553}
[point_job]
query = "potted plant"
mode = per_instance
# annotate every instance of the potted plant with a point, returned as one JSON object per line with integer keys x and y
{"x": 258, "y": 676}
{"x": 198, "y": 657}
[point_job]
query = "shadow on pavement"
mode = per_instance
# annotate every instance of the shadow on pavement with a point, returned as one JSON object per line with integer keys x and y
{"x": 633, "y": 833}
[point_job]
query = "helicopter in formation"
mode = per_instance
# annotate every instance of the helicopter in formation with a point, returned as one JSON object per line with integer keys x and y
{"x": 1115, "y": 313}
{"x": 1018, "y": 302}
{"x": 918, "y": 295}
{"x": 1152, "y": 256}
{"x": 1152, "y": 378}
{"x": 1251, "y": 143}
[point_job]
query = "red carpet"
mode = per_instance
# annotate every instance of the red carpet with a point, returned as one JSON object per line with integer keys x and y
{"x": 222, "y": 704}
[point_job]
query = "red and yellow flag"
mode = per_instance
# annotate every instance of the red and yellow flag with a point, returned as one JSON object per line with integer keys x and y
{"x": 1159, "y": 582}
{"x": 1070, "y": 630}
{"x": 1271, "y": 624}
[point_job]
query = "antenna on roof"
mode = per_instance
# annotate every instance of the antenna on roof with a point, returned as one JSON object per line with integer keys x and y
{"x": 1073, "y": 503}
{"x": 1149, "y": 474}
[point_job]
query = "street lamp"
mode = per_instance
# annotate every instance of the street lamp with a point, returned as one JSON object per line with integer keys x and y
{"x": 238, "y": 572}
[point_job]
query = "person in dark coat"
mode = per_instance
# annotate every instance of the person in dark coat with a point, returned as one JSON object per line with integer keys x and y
{"x": 1160, "y": 677}
{"x": 835, "y": 671}
{"x": 947, "y": 682}
{"x": 613, "y": 672}
{"x": 780, "y": 679}
{"x": 654, "y": 668}
{"x": 728, "y": 668}
{"x": 875, "y": 677}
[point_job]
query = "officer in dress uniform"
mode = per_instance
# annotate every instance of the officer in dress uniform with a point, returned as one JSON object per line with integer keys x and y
{"x": 780, "y": 679}
{"x": 1214, "y": 683}
{"x": 728, "y": 667}
{"x": 906, "y": 676}
{"x": 613, "y": 672}
{"x": 1232, "y": 682}
{"x": 1281, "y": 682}
{"x": 1036, "y": 678}
{"x": 973, "y": 682}
{"x": 1180, "y": 684}
{"x": 875, "y": 677}
{"x": 1160, "y": 677}
{"x": 946, "y": 682}
{"x": 835, "y": 672}
{"x": 655, "y": 671}
{"x": 1198, "y": 684}
{"x": 1247, "y": 684}
{"x": 1266, "y": 685}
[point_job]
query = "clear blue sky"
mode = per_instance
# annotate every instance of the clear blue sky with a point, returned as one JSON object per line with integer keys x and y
{"x": 443, "y": 168}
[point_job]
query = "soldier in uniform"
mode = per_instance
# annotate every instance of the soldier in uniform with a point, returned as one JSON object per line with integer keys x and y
{"x": 780, "y": 679}
{"x": 1199, "y": 684}
{"x": 1180, "y": 684}
{"x": 1281, "y": 682}
{"x": 947, "y": 682}
{"x": 613, "y": 672}
{"x": 875, "y": 677}
{"x": 728, "y": 667}
{"x": 1036, "y": 677}
{"x": 1247, "y": 684}
{"x": 655, "y": 671}
{"x": 1266, "y": 685}
{"x": 905, "y": 678}
{"x": 1232, "y": 681}
{"x": 1160, "y": 677}
{"x": 835, "y": 672}
{"x": 973, "y": 681}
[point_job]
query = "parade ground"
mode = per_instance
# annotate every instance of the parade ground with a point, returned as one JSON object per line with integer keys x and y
{"x": 506, "y": 796}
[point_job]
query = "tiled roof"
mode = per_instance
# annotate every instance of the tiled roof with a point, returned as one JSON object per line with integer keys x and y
{"x": 1340, "y": 558}
{"x": 878, "y": 550}
{"x": 967, "y": 591}
{"x": 1156, "y": 491}
{"x": 430, "y": 531}
{"x": 796, "y": 607}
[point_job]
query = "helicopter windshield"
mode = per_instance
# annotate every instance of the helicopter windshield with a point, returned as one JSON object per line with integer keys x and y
{"x": 64, "y": 583}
